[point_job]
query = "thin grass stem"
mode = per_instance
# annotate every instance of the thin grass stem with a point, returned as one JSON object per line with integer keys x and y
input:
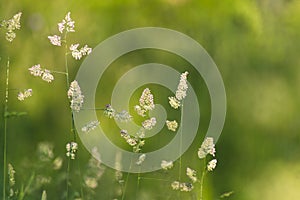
{"x": 126, "y": 181}
{"x": 156, "y": 179}
{"x": 5, "y": 130}
{"x": 202, "y": 179}
{"x": 67, "y": 85}
{"x": 138, "y": 185}
{"x": 68, "y": 176}
{"x": 58, "y": 72}
{"x": 180, "y": 145}
{"x": 73, "y": 130}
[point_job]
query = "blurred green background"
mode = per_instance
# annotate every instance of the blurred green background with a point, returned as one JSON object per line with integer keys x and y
{"x": 255, "y": 45}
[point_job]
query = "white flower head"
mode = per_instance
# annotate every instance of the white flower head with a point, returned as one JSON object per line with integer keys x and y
{"x": 78, "y": 53}
{"x": 71, "y": 148}
{"x": 191, "y": 174}
{"x": 124, "y": 134}
{"x": 139, "y": 110}
{"x": 141, "y": 159}
{"x": 47, "y": 76}
{"x": 75, "y": 96}
{"x": 85, "y": 50}
{"x": 11, "y": 25}
{"x": 207, "y": 147}
{"x": 166, "y": 164}
{"x": 24, "y": 95}
{"x": 10, "y": 36}
{"x": 172, "y": 125}
{"x": 74, "y": 47}
{"x": 122, "y": 116}
{"x": 55, "y": 40}
{"x": 175, "y": 185}
{"x": 149, "y": 123}
{"x": 67, "y": 24}
{"x": 174, "y": 103}
{"x": 182, "y": 87}
{"x": 180, "y": 93}
{"x": 186, "y": 187}
{"x": 109, "y": 111}
{"x": 146, "y": 100}
{"x": 91, "y": 182}
{"x": 131, "y": 141}
{"x": 90, "y": 126}
{"x": 36, "y": 70}
{"x": 11, "y": 175}
{"x": 14, "y": 22}
{"x": 70, "y": 23}
{"x": 212, "y": 165}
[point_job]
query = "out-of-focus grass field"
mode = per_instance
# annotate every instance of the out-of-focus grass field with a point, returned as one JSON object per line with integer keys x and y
{"x": 255, "y": 45}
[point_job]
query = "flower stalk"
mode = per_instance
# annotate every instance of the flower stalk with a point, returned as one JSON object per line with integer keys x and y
{"x": 5, "y": 129}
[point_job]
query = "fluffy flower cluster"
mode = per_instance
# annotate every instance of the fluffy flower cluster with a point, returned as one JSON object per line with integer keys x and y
{"x": 11, "y": 175}
{"x": 109, "y": 111}
{"x": 182, "y": 87}
{"x": 78, "y": 53}
{"x": 55, "y": 40}
{"x": 207, "y": 147}
{"x": 90, "y": 126}
{"x": 146, "y": 103}
{"x": 166, "y": 164}
{"x": 184, "y": 187}
{"x": 46, "y": 75}
{"x": 67, "y": 24}
{"x": 10, "y": 26}
{"x": 192, "y": 174}
{"x": 75, "y": 96}
{"x": 212, "y": 165}
{"x": 71, "y": 148}
{"x": 130, "y": 140}
{"x": 146, "y": 100}
{"x": 24, "y": 95}
{"x": 135, "y": 142}
{"x": 180, "y": 92}
{"x": 149, "y": 123}
{"x": 141, "y": 159}
{"x": 122, "y": 116}
{"x": 172, "y": 125}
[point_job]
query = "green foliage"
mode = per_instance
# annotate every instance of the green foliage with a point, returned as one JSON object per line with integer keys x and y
{"x": 255, "y": 45}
